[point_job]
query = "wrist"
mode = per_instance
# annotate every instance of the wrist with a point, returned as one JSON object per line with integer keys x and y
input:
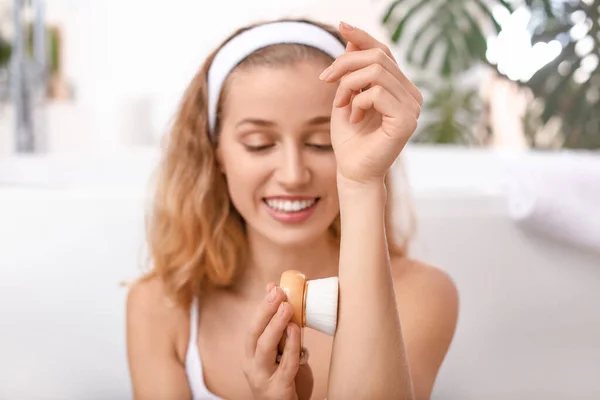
{"x": 350, "y": 187}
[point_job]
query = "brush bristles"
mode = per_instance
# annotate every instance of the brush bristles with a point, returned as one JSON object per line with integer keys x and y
{"x": 322, "y": 305}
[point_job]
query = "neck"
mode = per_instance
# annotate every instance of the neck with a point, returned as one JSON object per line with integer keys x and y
{"x": 268, "y": 260}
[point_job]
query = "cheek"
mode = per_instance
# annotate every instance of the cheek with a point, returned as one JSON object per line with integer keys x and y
{"x": 244, "y": 179}
{"x": 325, "y": 174}
{"x": 325, "y": 168}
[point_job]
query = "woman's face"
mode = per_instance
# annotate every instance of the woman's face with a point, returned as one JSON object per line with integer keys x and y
{"x": 275, "y": 150}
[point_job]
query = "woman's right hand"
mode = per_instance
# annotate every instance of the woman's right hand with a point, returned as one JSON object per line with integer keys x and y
{"x": 267, "y": 378}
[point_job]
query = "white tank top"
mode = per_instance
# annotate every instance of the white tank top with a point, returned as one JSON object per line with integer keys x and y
{"x": 193, "y": 363}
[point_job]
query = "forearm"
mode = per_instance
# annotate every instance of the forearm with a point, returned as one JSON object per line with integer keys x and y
{"x": 368, "y": 358}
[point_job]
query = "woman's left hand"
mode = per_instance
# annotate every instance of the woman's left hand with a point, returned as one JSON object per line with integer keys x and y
{"x": 375, "y": 109}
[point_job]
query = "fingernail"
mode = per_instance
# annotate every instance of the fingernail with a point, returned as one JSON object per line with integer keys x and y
{"x": 346, "y": 26}
{"x": 289, "y": 330}
{"x": 304, "y": 355}
{"x": 325, "y": 74}
{"x": 272, "y": 295}
{"x": 280, "y": 309}
{"x": 337, "y": 100}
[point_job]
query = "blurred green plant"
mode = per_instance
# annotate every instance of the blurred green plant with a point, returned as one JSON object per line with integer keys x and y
{"x": 5, "y": 46}
{"x": 53, "y": 46}
{"x": 52, "y": 33}
{"x": 5, "y": 51}
{"x": 456, "y": 29}
{"x": 449, "y": 38}
{"x": 569, "y": 86}
{"x": 456, "y": 119}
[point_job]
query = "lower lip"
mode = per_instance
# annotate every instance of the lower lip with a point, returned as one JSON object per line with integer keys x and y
{"x": 289, "y": 217}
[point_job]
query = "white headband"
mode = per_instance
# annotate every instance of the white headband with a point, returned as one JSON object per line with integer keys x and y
{"x": 246, "y": 43}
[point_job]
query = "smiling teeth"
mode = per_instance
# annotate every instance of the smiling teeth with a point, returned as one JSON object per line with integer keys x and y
{"x": 290, "y": 206}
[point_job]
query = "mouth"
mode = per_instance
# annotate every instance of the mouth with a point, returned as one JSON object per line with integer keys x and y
{"x": 290, "y": 206}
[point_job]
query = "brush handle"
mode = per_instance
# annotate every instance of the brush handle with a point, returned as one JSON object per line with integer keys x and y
{"x": 293, "y": 284}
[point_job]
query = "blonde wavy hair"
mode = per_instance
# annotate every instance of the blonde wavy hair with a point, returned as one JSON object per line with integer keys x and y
{"x": 194, "y": 234}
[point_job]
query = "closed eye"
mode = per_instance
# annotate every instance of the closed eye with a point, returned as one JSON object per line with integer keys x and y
{"x": 321, "y": 147}
{"x": 256, "y": 149}
{"x": 317, "y": 147}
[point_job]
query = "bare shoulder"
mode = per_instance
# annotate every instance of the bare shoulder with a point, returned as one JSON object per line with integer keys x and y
{"x": 148, "y": 299}
{"x": 428, "y": 305}
{"x": 157, "y": 331}
{"x": 150, "y": 312}
{"x": 417, "y": 280}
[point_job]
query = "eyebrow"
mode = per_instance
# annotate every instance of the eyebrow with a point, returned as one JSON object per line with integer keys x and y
{"x": 266, "y": 123}
{"x": 320, "y": 120}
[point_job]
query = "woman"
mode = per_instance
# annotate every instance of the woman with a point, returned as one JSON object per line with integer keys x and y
{"x": 277, "y": 160}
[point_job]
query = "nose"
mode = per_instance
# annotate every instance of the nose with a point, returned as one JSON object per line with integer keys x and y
{"x": 293, "y": 171}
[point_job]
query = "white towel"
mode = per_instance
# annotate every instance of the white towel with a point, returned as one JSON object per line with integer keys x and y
{"x": 558, "y": 196}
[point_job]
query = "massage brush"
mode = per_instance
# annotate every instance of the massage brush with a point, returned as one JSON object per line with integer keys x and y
{"x": 314, "y": 302}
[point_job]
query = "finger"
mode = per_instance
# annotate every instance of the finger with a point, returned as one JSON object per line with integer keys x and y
{"x": 351, "y": 47}
{"x": 270, "y": 286}
{"x": 266, "y": 346}
{"x": 380, "y": 99}
{"x": 362, "y": 39}
{"x": 290, "y": 360}
{"x": 353, "y": 61}
{"x": 383, "y": 102}
{"x": 371, "y": 75}
{"x": 262, "y": 317}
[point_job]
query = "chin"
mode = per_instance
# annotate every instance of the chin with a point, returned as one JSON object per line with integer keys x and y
{"x": 303, "y": 235}
{"x": 298, "y": 238}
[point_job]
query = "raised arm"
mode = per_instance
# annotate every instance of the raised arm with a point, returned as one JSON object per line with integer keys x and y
{"x": 375, "y": 112}
{"x": 368, "y": 359}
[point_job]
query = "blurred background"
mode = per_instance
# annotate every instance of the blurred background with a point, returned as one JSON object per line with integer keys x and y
{"x": 503, "y": 176}
{"x": 113, "y": 71}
